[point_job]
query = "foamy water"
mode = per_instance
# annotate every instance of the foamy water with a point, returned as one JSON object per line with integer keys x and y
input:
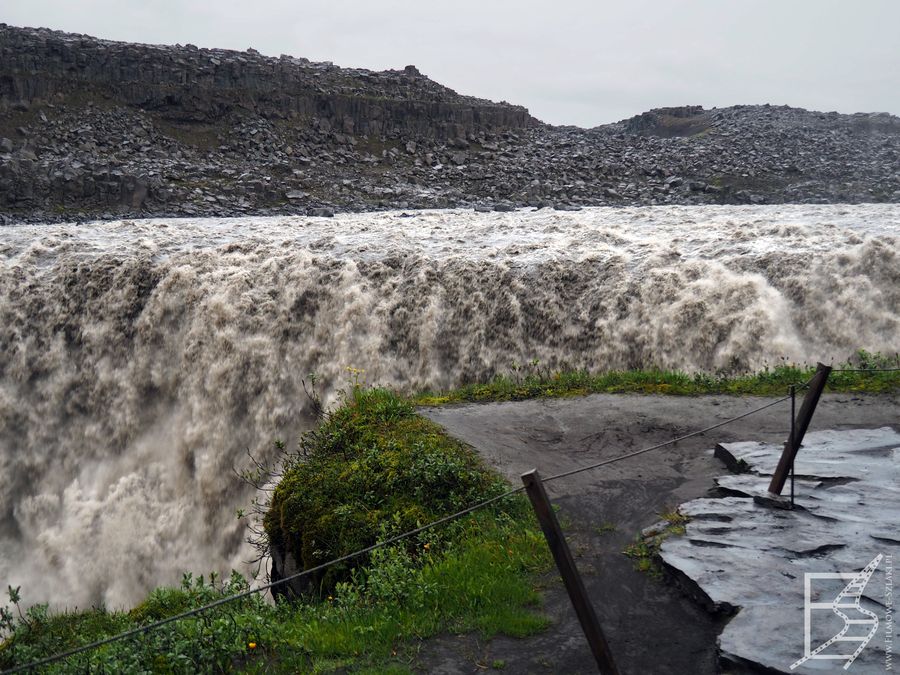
{"x": 141, "y": 359}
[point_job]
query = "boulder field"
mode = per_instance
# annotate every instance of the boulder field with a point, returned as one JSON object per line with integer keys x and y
{"x": 93, "y": 128}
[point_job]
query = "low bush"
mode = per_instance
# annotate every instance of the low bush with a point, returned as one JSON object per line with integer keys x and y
{"x": 372, "y": 469}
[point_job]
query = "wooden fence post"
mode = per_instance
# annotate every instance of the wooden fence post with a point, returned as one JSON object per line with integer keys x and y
{"x": 807, "y": 408}
{"x": 566, "y": 565}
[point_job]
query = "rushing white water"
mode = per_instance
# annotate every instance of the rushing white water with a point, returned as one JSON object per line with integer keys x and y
{"x": 141, "y": 359}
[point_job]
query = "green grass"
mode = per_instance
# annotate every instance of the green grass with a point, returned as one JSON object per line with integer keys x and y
{"x": 482, "y": 583}
{"x": 533, "y": 381}
{"x": 605, "y": 528}
{"x": 644, "y": 554}
{"x": 373, "y": 468}
{"x": 644, "y": 550}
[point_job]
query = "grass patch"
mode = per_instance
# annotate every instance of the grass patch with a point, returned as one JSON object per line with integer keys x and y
{"x": 534, "y": 381}
{"x": 372, "y": 469}
{"x": 605, "y": 528}
{"x": 480, "y": 583}
{"x": 644, "y": 554}
{"x": 644, "y": 550}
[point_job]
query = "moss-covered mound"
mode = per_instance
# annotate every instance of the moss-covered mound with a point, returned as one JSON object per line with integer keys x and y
{"x": 372, "y": 469}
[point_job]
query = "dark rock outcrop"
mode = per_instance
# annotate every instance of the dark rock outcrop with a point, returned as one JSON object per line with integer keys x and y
{"x": 92, "y": 128}
{"x": 197, "y": 86}
{"x": 668, "y": 122}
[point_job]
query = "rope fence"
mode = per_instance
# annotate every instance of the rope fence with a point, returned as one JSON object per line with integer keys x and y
{"x": 259, "y": 589}
{"x": 673, "y": 441}
{"x": 386, "y": 542}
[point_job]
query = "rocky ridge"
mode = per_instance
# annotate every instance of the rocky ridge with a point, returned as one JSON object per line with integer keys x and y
{"x": 92, "y": 128}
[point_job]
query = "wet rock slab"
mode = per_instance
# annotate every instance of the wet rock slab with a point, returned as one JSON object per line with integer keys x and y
{"x": 741, "y": 554}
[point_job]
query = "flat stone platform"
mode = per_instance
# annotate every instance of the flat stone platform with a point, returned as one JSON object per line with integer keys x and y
{"x": 652, "y": 627}
{"x": 746, "y": 553}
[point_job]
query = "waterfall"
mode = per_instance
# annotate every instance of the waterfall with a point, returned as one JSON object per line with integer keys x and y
{"x": 141, "y": 360}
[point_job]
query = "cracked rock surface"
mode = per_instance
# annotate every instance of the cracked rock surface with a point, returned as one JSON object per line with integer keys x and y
{"x": 741, "y": 554}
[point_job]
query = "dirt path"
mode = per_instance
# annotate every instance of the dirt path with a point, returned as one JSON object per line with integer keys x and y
{"x": 651, "y": 627}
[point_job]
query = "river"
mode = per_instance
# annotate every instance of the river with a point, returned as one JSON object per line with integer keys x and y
{"x": 140, "y": 360}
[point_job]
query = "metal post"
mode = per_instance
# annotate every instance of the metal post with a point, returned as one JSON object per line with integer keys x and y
{"x": 807, "y": 408}
{"x": 571, "y": 579}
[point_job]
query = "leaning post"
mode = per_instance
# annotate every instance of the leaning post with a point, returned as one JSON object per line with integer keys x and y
{"x": 566, "y": 565}
{"x": 792, "y": 445}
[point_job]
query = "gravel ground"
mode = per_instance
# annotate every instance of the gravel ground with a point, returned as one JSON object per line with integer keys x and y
{"x": 650, "y": 625}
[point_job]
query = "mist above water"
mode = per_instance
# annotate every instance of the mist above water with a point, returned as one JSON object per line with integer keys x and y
{"x": 142, "y": 359}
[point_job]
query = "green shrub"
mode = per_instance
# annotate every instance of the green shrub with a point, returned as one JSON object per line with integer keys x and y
{"x": 371, "y": 470}
{"x": 208, "y": 643}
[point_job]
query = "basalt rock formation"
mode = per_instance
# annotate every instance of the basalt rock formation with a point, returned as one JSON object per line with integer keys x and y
{"x": 94, "y": 128}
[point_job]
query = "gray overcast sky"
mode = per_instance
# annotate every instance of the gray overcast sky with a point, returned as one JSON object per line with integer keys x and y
{"x": 568, "y": 61}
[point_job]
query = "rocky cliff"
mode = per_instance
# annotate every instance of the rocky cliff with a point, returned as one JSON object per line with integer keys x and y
{"x": 191, "y": 85}
{"x": 94, "y": 128}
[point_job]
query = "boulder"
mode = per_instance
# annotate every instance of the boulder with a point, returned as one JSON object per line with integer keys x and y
{"x": 320, "y": 211}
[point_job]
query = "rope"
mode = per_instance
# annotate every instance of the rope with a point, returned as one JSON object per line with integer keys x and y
{"x": 391, "y": 540}
{"x": 672, "y": 441}
{"x": 801, "y": 387}
{"x": 221, "y": 601}
{"x": 865, "y": 370}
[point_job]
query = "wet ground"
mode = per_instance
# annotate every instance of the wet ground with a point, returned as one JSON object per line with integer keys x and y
{"x": 744, "y": 550}
{"x": 651, "y": 626}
